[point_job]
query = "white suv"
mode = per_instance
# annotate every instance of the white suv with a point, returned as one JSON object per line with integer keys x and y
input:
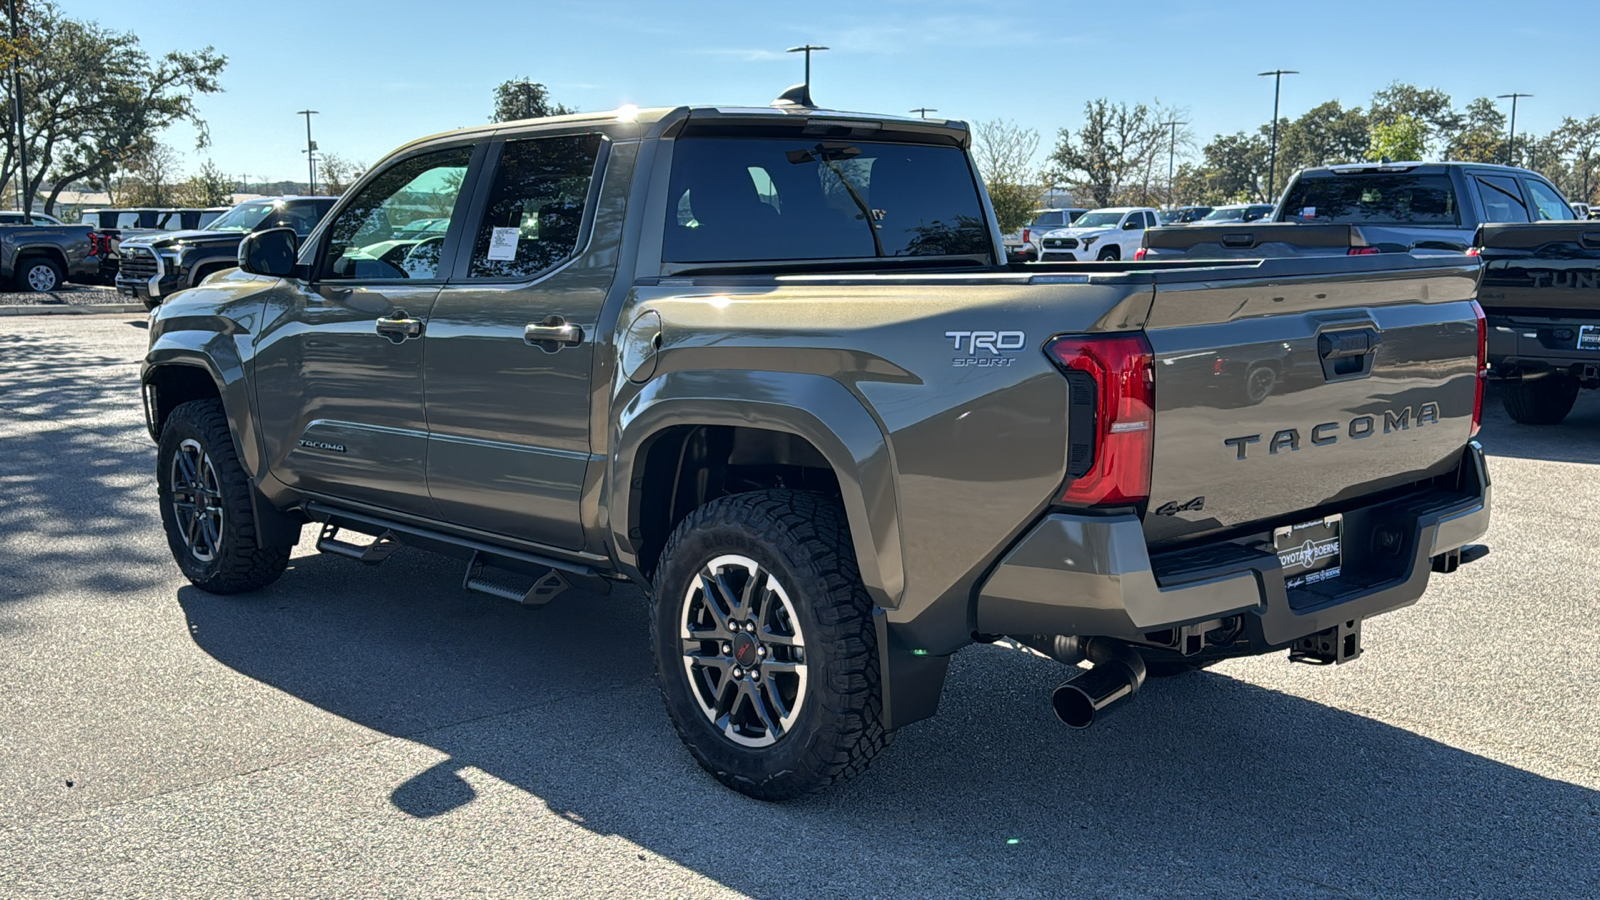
{"x": 1099, "y": 234}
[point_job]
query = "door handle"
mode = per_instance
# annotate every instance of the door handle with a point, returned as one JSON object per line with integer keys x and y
{"x": 399, "y": 328}
{"x": 552, "y": 334}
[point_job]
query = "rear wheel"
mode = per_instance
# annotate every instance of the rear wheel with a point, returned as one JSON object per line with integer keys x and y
{"x": 1540, "y": 401}
{"x": 1109, "y": 254}
{"x": 1259, "y": 382}
{"x": 39, "y": 273}
{"x": 205, "y": 504}
{"x": 765, "y": 646}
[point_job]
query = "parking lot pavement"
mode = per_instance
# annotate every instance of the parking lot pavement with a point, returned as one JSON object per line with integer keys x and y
{"x": 380, "y": 732}
{"x": 68, "y": 295}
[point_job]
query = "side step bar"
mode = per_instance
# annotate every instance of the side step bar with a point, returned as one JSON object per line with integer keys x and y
{"x": 548, "y": 586}
{"x": 371, "y": 554}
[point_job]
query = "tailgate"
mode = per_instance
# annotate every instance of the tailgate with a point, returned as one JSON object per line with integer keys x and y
{"x": 1250, "y": 240}
{"x": 1282, "y": 394}
{"x": 1550, "y": 268}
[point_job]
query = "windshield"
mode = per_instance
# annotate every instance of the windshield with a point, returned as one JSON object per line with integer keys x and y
{"x": 736, "y": 199}
{"x": 1226, "y": 214}
{"x": 1386, "y": 198}
{"x": 1047, "y": 220}
{"x": 244, "y": 217}
{"x": 1097, "y": 220}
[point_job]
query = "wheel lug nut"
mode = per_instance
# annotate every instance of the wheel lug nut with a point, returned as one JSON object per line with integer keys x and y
{"x": 761, "y": 651}
{"x": 726, "y": 648}
{"x": 738, "y": 672}
{"x": 750, "y": 627}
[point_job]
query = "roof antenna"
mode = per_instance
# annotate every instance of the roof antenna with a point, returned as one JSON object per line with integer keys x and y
{"x": 797, "y": 96}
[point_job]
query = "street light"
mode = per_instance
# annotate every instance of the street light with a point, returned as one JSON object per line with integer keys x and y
{"x": 1172, "y": 154}
{"x": 923, "y": 111}
{"x": 1511, "y": 141}
{"x": 311, "y": 151}
{"x": 24, "y": 195}
{"x": 1272, "y": 166}
{"x": 807, "y": 50}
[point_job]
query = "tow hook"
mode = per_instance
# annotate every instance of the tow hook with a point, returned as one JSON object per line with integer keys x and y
{"x": 1118, "y": 673}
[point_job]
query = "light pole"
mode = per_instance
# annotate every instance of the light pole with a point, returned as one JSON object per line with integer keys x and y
{"x": 1272, "y": 165}
{"x": 1511, "y": 140}
{"x": 1172, "y": 155}
{"x": 311, "y": 152}
{"x": 923, "y": 111}
{"x": 807, "y": 50}
{"x": 24, "y": 196}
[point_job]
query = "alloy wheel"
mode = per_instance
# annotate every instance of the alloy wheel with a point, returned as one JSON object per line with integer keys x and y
{"x": 197, "y": 500}
{"x": 743, "y": 651}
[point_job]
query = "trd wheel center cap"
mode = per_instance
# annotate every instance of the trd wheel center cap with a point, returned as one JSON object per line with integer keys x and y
{"x": 744, "y": 650}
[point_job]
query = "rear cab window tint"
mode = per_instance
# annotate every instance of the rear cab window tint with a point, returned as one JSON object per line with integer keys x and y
{"x": 1379, "y": 198}
{"x": 1549, "y": 203}
{"x": 737, "y": 199}
{"x": 535, "y": 213}
{"x": 1502, "y": 200}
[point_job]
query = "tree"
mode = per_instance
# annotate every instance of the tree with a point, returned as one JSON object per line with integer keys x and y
{"x": 1326, "y": 134}
{"x": 1236, "y": 168}
{"x": 1429, "y": 106}
{"x": 153, "y": 177}
{"x": 93, "y": 98}
{"x": 1005, "y": 156}
{"x": 1580, "y": 138}
{"x": 521, "y": 98}
{"x": 1117, "y": 146}
{"x": 338, "y": 173}
{"x": 1403, "y": 139}
{"x": 1482, "y": 136}
{"x": 208, "y": 187}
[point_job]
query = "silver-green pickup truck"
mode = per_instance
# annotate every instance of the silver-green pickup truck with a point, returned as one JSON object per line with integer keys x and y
{"x": 769, "y": 365}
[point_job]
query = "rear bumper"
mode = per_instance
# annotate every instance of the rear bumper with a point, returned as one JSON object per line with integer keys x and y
{"x": 1093, "y": 576}
{"x": 1539, "y": 343}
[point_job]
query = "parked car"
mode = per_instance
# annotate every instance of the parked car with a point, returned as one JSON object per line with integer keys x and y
{"x": 1184, "y": 215}
{"x": 818, "y": 418}
{"x": 1102, "y": 234}
{"x": 45, "y": 257}
{"x": 1541, "y": 293}
{"x": 153, "y": 267}
{"x": 14, "y": 217}
{"x": 1024, "y": 243}
{"x": 1236, "y": 212}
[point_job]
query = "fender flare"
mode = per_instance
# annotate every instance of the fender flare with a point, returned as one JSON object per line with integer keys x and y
{"x": 815, "y": 408}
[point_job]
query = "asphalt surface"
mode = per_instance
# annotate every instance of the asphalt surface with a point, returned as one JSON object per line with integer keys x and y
{"x": 355, "y": 732}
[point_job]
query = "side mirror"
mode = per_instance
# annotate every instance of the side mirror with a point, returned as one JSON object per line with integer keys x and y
{"x": 1132, "y": 224}
{"x": 271, "y": 252}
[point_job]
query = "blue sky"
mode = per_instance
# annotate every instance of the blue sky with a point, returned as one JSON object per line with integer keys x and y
{"x": 385, "y": 71}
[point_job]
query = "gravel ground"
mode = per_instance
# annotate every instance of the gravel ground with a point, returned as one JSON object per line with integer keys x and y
{"x": 380, "y": 732}
{"x": 69, "y": 295}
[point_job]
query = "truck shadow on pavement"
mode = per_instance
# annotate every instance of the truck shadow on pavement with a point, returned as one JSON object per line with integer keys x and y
{"x": 1205, "y": 786}
{"x": 1577, "y": 439}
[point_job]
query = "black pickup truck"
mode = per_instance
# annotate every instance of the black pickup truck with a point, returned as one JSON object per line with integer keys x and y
{"x": 1541, "y": 294}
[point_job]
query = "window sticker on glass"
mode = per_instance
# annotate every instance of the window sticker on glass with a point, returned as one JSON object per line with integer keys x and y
{"x": 503, "y": 243}
{"x": 1308, "y": 212}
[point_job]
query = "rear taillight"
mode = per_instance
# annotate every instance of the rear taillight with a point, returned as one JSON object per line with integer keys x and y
{"x": 1361, "y": 251}
{"x": 1139, "y": 254}
{"x": 1026, "y": 234}
{"x": 1474, "y": 251}
{"x": 1110, "y": 417}
{"x": 1483, "y": 368}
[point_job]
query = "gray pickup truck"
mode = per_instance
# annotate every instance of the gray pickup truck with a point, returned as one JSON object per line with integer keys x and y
{"x": 768, "y": 364}
{"x": 45, "y": 257}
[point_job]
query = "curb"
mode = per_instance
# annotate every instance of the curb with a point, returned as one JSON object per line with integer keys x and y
{"x": 87, "y": 309}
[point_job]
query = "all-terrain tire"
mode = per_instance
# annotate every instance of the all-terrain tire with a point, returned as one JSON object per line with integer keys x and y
{"x": 39, "y": 273}
{"x": 1109, "y": 254}
{"x": 802, "y": 541}
{"x": 1540, "y": 401}
{"x": 237, "y": 562}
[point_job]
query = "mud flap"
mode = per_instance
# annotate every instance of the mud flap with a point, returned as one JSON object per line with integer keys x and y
{"x": 912, "y": 679}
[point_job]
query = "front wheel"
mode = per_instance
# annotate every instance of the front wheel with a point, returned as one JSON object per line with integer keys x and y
{"x": 205, "y": 504}
{"x": 1540, "y": 401}
{"x": 1110, "y": 254}
{"x": 765, "y": 647}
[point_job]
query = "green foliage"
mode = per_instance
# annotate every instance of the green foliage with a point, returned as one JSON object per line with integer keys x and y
{"x": 1405, "y": 138}
{"x": 521, "y": 98}
{"x": 1431, "y": 107}
{"x": 1005, "y": 157}
{"x": 208, "y": 187}
{"x": 1120, "y": 153}
{"x": 93, "y": 99}
{"x": 1235, "y": 169}
{"x": 1482, "y": 136}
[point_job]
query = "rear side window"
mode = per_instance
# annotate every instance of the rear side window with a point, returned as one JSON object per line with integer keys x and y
{"x": 535, "y": 212}
{"x": 1048, "y": 220}
{"x": 1386, "y": 198}
{"x": 1502, "y": 201}
{"x": 1549, "y": 203}
{"x": 746, "y": 199}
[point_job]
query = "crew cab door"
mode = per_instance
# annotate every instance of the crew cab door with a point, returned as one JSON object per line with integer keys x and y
{"x": 339, "y": 358}
{"x": 513, "y": 338}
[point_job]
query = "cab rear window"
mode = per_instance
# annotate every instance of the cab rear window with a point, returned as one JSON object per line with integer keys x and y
{"x": 737, "y": 199}
{"x": 1387, "y": 198}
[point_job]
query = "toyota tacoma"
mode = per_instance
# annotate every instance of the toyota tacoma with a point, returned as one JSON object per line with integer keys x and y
{"x": 769, "y": 364}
